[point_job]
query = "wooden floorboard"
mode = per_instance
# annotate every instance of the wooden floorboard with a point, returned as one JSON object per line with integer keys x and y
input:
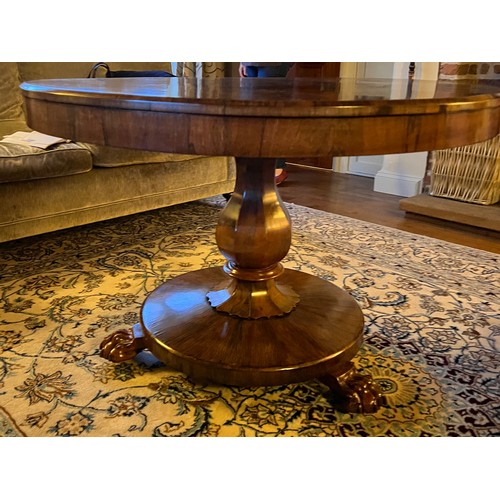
{"x": 353, "y": 196}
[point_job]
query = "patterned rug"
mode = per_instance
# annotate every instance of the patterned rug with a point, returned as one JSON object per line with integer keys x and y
{"x": 432, "y": 314}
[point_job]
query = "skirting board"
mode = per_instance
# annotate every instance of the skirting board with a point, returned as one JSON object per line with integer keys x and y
{"x": 397, "y": 184}
{"x": 482, "y": 216}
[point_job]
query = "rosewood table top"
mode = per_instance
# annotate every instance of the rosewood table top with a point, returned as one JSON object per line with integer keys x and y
{"x": 269, "y": 117}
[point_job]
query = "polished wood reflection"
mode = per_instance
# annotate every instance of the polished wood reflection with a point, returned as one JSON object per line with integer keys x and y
{"x": 251, "y": 352}
{"x": 270, "y": 117}
{"x": 254, "y": 235}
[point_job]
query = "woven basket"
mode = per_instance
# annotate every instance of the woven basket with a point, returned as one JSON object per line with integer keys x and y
{"x": 468, "y": 173}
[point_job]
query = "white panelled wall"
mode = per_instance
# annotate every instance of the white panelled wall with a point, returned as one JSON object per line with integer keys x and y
{"x": 398, "y": 174}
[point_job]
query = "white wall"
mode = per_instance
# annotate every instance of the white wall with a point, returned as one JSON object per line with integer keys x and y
{"x": 399, "y": 174}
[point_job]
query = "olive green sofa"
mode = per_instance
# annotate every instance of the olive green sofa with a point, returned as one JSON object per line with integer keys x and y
{"x": 74, "y": 183}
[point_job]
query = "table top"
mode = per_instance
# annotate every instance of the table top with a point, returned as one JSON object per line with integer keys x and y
{"x": 277, "y": 96}
{"x": 264, "y": 116}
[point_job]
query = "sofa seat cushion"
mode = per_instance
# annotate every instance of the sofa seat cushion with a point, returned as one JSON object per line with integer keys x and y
{"x": 107, "y": 156}
{"x": 21, "y": 163}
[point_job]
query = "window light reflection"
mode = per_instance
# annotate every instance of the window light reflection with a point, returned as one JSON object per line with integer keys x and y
{"x": 181, "y": 302}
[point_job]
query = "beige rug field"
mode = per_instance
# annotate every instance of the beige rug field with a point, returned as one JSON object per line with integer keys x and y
{"x": 432, "y": 315}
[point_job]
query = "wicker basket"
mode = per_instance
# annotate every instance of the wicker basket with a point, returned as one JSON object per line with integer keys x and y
{"x": 468, "y": 173}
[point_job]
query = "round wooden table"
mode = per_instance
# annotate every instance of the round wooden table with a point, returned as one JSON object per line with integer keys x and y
{"x": 253, "y": 322}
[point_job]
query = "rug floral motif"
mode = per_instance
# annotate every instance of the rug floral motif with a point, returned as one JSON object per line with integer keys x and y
{"x": 432, "y": 328}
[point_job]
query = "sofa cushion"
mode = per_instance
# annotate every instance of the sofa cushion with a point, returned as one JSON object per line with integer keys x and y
{"x": 106, "y": 156}
{"x": 20, "y": 163}
{"x": 11, "y": 104}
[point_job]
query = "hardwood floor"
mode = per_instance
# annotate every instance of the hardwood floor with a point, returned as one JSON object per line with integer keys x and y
{"x": 353, "y": 196}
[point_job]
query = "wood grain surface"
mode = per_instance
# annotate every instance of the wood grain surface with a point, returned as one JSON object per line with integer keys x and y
{"x": 274, "y": 117}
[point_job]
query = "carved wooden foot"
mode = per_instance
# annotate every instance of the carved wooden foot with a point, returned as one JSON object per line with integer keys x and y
{"x": 123, "y": 345}
{"x": 353, "y": 392}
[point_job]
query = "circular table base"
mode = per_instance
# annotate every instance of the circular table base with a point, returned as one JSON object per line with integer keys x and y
{"x": 319, "y": 337}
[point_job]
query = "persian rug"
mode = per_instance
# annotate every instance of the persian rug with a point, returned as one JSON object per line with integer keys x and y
{"x": 432, "y": 328}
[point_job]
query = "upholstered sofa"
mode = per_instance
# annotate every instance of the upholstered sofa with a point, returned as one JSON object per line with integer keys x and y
{"x": 72, "y": 184}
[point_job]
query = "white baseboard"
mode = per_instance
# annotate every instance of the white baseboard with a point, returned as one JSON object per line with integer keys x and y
{"x": 397, "y": 184}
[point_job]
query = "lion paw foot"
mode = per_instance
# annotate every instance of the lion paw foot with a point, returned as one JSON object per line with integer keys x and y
{"x": 122, "y": 345}
{"x": 354, "y": 392}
